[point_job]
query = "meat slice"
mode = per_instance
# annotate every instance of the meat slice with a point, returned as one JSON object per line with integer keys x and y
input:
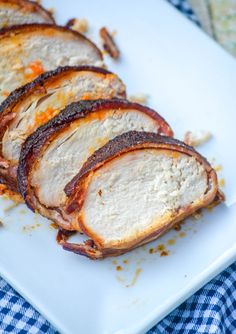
{"x": 53, "y": 154}
{"x": 28, "y": 50}
{"x": 134, "y": 189}
{"x": 14, "y": 12}
{"x": 37, "y": 102}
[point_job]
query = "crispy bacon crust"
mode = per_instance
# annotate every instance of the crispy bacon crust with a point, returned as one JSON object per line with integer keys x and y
{"x": 36, "y": 143}
{"x": 76, "y": 189}
{"x": 108, "y": 43}
{"x": 31, "y": 6}
{"x": 7, "y": 114}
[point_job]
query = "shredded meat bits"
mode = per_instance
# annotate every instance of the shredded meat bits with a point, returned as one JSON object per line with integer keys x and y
{"x": 108, "y": 43}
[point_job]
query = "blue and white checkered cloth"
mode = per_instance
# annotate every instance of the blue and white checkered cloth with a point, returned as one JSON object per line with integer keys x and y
{"x": 212, "y": 310}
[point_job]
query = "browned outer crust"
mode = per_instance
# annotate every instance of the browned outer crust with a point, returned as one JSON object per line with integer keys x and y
{"x": 24, "y": 28}
{"x": 31, "y": 6}
{"x": 19, "y": 94}
{"x": 122, "y": 144}
{"x": 35, "y": 143}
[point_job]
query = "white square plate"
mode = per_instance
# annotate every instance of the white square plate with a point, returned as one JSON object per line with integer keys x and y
{"x": 191, "y": 82}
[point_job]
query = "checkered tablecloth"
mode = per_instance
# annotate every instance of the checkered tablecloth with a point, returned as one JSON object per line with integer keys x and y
{"x": 212, "y": 310}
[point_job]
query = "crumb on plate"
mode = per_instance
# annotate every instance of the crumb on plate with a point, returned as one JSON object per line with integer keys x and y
{"x": 119, "y": 268}
{"x": 222, "y": 182}
{"x": 164, "y": 253}
{"x": 218, "y": 168}
{"x": 139, "y": 98}
{"x": 79, "y": 25}
{"x": 177, "y": 226}
{"x": 197, "y": 138}
{"x": 51, "y": 10}
{"x": 197, "y": 215}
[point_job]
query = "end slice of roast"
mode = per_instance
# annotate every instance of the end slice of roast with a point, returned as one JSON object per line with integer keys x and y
{"x": 134, "y": 189}
{"x": 29, "y": 50}
{"x": 54, "y": 154}
{"x": 15, "y": 12}
{"x": 37, "y": 102}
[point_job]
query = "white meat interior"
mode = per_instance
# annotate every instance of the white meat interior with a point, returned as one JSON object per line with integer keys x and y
{"x": 13, "y": 16}
{"x": 51, "y": 48}
{"x": 135, "y": 192}
{"x": 34, "y": 109}
{"x": 65, "y": 155}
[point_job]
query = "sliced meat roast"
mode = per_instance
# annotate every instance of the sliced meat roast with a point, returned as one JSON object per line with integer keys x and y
{"x": 14, "y": 12}
{"x": 54, "y": 153}
{"x": 134, "y": 189}
{"x": 28, "y": 50}
{"x": 37, "y": 102}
